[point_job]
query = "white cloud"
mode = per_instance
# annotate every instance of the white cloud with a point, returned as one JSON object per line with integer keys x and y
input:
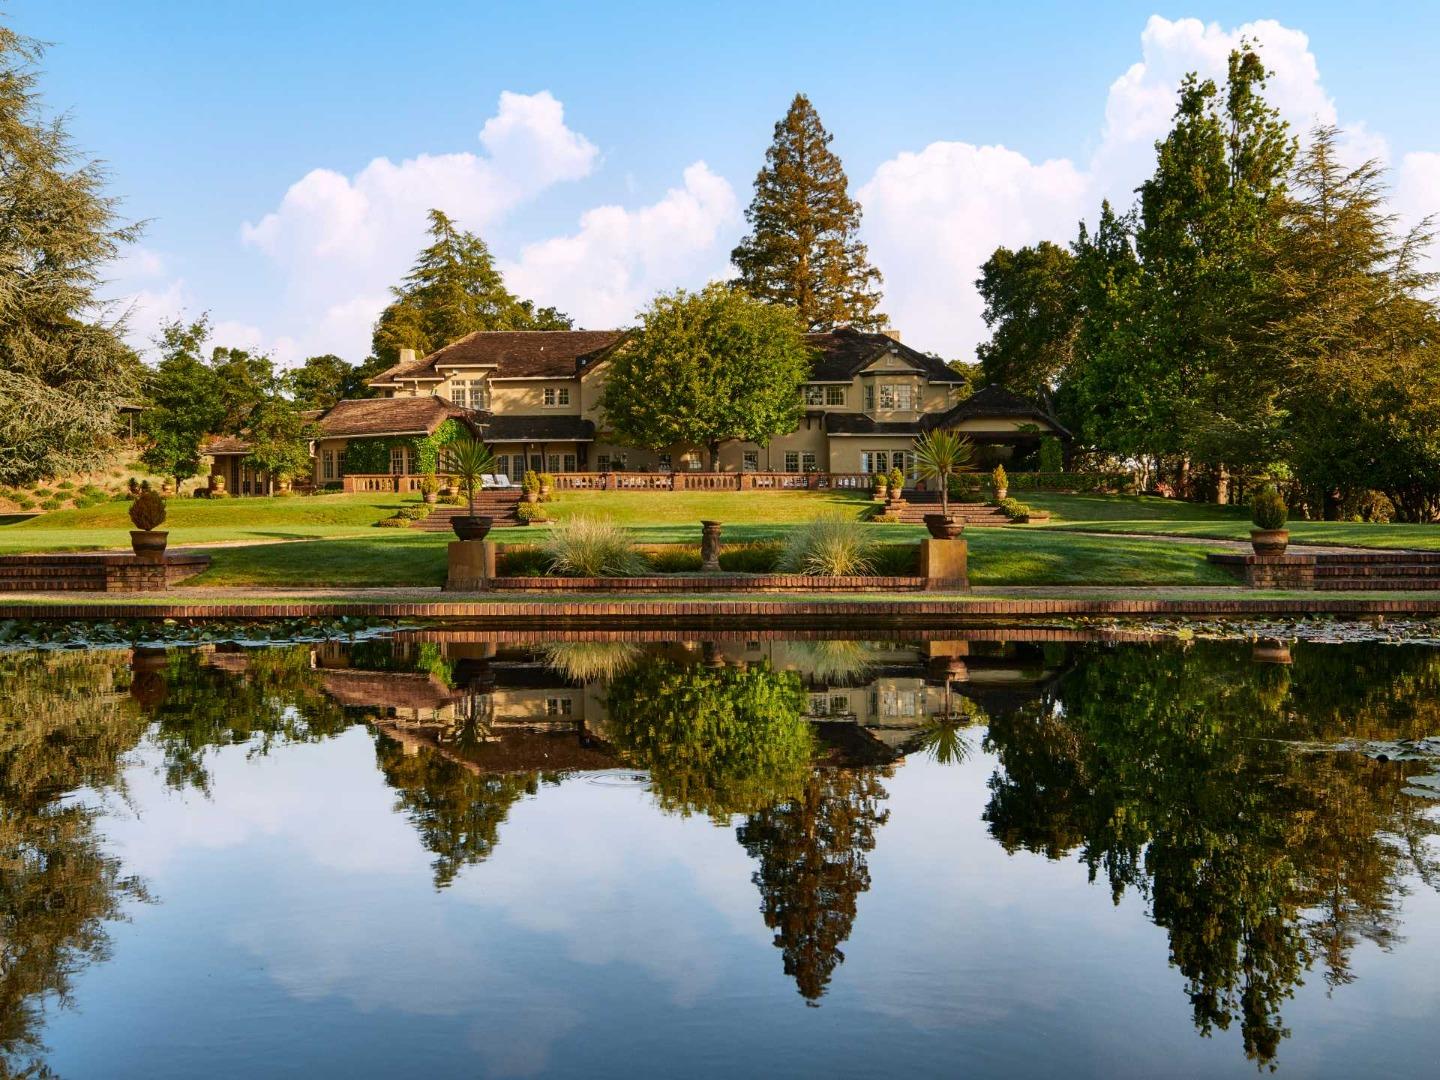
{"x": 619, "y": 258}
{"x": 933, "y": 217}
{"x": 340, "y": 241}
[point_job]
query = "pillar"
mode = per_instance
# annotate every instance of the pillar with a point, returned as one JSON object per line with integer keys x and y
{"x": 944, "y": 564}
{"x": 710, "y": 546}
{"x": 471, "y": 565}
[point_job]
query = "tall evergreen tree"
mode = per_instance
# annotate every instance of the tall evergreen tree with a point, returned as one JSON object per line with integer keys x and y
{"x": 452, "y": 290}
{"x": 64, "y": 370}
{"x": 804, "y": 248}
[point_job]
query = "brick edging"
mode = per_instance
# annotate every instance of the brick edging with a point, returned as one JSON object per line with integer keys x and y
{"x": 725, "y": 583}
{"x": 670, "y": 611}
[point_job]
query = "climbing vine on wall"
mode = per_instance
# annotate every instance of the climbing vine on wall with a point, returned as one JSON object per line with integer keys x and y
{"x": 371, "y": 455}
{"x": 427, "y": 450}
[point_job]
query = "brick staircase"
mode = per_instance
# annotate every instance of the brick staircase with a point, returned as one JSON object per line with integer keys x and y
{"x": 1393, "y": 570}
{"x": 920, "y": 503}
{"x": 499, "y": 505}
{"x": 95, "y": 572}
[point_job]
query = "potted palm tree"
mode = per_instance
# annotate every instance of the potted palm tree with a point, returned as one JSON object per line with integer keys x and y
{"x": 1269, "y": 513}
{"x": 470, "y": 460}
{"x": 939, "y": 455}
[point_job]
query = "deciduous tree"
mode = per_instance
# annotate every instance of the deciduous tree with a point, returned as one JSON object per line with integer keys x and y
{"x": 707, "y": 368}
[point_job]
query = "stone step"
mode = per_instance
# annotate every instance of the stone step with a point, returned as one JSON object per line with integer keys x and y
{"x": 501, "y": 510}
{"x": 1372, "y": 584}
{"x": 1377, "y": 570}
{"x": 1378, "y": 558}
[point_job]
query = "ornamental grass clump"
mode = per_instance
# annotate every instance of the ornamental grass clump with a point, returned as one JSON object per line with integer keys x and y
{"x": 830, "y": 546}
{"x": 588, "y": 547}
{"x": 1268, "y": 510}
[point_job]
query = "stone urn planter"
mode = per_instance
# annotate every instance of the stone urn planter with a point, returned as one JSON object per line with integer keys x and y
{"x": 431, "y": 497}
{"x": 149, "y": 544}
{"x": 882, "y": 493}
{"x": 1269, "y": 541}
{"x": 942, "y": 527}
{"x": 471, "y": 528}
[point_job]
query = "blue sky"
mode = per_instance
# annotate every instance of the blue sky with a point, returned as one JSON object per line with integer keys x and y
{"x": 959, "y": 128}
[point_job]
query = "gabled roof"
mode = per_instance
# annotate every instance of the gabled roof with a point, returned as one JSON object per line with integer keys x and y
{"x": 846, "y": 352}
{"x": 995, "y": 400}
{"x": 387, "y": 416}
{"x": 511, "y": 354}
{"x": 225, "y": 444}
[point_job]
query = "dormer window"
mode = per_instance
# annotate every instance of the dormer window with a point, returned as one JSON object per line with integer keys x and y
{"x": 556, "y": 396}
{"x": 898, "y": 396}
{"x": 835, "y": 395}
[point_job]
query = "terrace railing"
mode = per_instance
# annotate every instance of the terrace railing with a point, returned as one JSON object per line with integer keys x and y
{"x": 711, "y": 481}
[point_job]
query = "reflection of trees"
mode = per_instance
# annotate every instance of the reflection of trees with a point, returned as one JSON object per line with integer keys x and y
{"x": 457, "y": 809}
{"x": 272, "y": 696}
{"x": 716, "y": 740}
{"x": 812, "y": 850}
{"x": 1174, "y": 774}
{"x": 66, "y": 722}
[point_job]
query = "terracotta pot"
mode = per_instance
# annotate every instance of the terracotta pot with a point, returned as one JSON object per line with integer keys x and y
{"x": 942, "y": 527}
{"x": 471, "y": 528}
{"x": 532, "y": 496}
{"x": 1001, "y": 494}
{"x": 431, "y": 498}
{"x": 149, "y": 544}
{"x": 1269, "y": 541}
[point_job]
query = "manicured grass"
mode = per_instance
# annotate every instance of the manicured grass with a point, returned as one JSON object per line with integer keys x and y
{"x": 997, "y": 557}
{"x": 663, "y": 508}
{"x": 198, "y": 521}
{"x": 1119, "y": 509}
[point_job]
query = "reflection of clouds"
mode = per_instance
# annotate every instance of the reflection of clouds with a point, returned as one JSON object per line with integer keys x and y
{"x": 644, "y": 877}
{"x": 278, "y": 795}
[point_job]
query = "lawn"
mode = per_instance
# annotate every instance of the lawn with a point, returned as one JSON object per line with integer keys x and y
{"x": 200, "y": 521}
{"x": 997, "y": 557}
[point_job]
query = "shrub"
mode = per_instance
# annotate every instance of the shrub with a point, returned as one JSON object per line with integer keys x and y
{"x": 881, "y": 482}
{"x": 41, "y": 493}
{"x": 757, "y": 557}
{"x": 886, "y": 518}
{"x": 419, "y": 512}
{"x": 395, "y": 522}
{"x": 830, "y": 546}
{"x": 65, "y": 485}
{"x": 589, "y": 547}
{"x": 25, "y": 502}
{"x": 547, "y": 485}
{"x": 521, "y": 560}
{"x": 896, "y": 560}
{"x": 530, "y": 482}
{"x": 1076, "y": 483}
{"x": 52, "y": 504}
{"x": 1052, "y": 455}
{"x": 530, "y": 512}
{"x": 1013, "y": 509}
{"x": 998, "y": 480}
{"x": 897, "y": 481}
{"x": 429, "y": 485}
{"x": 674, "y": 560}
{"x": 965, "y": 487}
{"x": 1267, "y": 508}
{"x": 147, "y": 512}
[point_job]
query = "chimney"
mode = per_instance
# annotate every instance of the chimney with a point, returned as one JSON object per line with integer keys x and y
{"x": 891, "y": 333}
{"x": 407, "y": 356}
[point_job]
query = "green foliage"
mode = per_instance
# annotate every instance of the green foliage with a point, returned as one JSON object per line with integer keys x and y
{"x": 998, "y": 480}
{"x": 547, "y": 485}
{"x": 64, "y": 367}
{"x": 880, "y": 483}
{"x": 1013, "y": 509}
{"x": 530, "y": 512}
{"x": 1268, "y": 509}
{"x": 521, "y": 560}
{"x": 804, "y": 249}
{"x": 452, "y": 290}
{"x": 52, "y": 504}
{"x": 940, "y": 455}
{"x": 717, "y": 741}
{"x": 184, "y": 401}
{"x": 829, "y": 546}
{"x": 707, "y": 368}
{"x": 1089, "y": 483}
{"x": 371, "y": 455}
{"x": 321, "y": 381}
{"x": 676, "y": 559}
{"x": 589, "y": 547}
{"x": 1052, "y": 455}
{"x": 148, "y": 511}
{"x": 395, "y": 521}
{"x": 895, "y": 560}
{"x": 280, "y": 438}
{"x": 897, "y": 481}
{"x": 759, "y": 557}
{"x": 430, "y": 450}
{"x": 1032, "y": 308}
{"x": 470, "y": 460}
{"x": 530, "y": 482}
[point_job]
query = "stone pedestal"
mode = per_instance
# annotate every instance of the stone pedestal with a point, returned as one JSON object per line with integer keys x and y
{"x": 472, "y": 565}
{"x": 710, "y": 546}
{"x": 944, "y": 564}
{"x": 1269, "y": 571}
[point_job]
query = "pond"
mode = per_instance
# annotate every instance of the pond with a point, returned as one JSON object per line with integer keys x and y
{"x": 445, "y": 851}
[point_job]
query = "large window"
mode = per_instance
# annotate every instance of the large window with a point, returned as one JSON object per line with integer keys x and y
{"x": 468, "y": 393}
{"x": 555, "y": 396}
{"x": 602, "y": 462}
{"x": 664, "y": 463}
{"x": 807, "y": 461}
{"x": 792, "y": 461}
{"x": 899, "y": 396}
{"x": 750, "y": 461}
{"x": 834, "y": 395}
{"x": 327, "y": 462}
{"x": 814, "y": 395}
{"x": 397, "y": 461}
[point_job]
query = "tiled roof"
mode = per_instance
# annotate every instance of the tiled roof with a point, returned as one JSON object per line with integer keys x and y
{"x": 995, "y": 400}
{"x": 225, "y": 444}
{"x": 513, "y": 354}
{"x": 387, "y": 416}
{"x": 838, "y": 423}
{"x": 496, "y": 428}
{"x": 844, "y": 353}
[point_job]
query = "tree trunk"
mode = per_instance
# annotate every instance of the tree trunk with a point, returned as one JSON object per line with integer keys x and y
{"x": 714, "y": 450}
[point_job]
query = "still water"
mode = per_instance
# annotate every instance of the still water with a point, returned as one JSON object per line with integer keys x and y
{"x": 447, "y": 852}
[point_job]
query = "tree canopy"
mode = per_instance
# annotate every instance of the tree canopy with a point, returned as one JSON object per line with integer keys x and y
{"x": 64, "y": 369}
{"x": 707, "y": 368}
{"x": 803, "y": 249}
{"x": 453, "y": 289}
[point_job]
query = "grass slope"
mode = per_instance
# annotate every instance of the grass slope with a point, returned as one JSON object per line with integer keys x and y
{"x": 198, "y": 521}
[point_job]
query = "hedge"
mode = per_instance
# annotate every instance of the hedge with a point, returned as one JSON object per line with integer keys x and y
{"x": 1074, "y": 483}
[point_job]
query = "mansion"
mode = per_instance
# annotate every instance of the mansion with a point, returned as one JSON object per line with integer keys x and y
{"x": 534, "y": 398}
